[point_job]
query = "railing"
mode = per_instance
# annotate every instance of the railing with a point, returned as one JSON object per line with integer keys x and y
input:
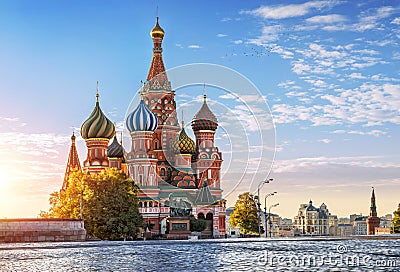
{"x": 154, "y": 210}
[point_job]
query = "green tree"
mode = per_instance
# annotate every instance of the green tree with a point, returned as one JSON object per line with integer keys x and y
{"x": 244, "y": 215}
{"x": 67, "y": 203}
{"x": 396, "y": 221}
{"x": 197, "y": 224}
{"x": 109, "y": 204}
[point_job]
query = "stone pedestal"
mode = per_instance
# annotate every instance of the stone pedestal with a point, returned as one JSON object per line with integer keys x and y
{"x": 179, "y": 228}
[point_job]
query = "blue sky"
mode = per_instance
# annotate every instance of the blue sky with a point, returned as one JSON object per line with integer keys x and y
{"x": 329, "y": 71}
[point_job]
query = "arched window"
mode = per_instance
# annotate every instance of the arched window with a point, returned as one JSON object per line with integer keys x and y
{"x": 201, "y": 216}
{"x": 162, "y": 172}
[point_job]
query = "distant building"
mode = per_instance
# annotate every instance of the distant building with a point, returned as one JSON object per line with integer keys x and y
{"x": 274, "y": 224}
{"x": 360, "y": 225}
{"x": 386, "y": 221}
{"x": 389, "y": 216}
{"x": 345, "y": 230}
{"x": 373, "y": 220}
{"x": 354, "y": 217}
{"x": 382, "y": 231}
{"x": 344, "y": 220}
{"x": 286, "y": 228}
{"x": 231, "y": 231}
{"x": 333, "y": 225}
{"x": 311, "y": 220}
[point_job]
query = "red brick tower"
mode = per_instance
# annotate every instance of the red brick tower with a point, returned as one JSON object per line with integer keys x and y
{"x": 158, "y": 95}
{"x": 373, "y": 220}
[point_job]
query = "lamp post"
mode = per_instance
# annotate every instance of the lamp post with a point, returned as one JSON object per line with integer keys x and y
{"x": 269, "y": 218}
{"x": 265, "y": 211}
{"x": 259, "y": 204}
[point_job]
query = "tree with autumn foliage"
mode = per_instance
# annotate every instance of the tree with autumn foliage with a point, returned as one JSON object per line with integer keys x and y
{"x": 107, "y": 201}
{"x": 244, "y": 215}
{"x": 396, "y": 221}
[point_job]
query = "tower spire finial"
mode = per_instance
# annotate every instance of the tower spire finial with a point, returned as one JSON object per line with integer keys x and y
{"x": 157, "y": 13}
{"x": 183, "y": 121}
{"x": 97, "y": 91}
{"x": 141, "y": 90}
{"x": 204, "y": 93}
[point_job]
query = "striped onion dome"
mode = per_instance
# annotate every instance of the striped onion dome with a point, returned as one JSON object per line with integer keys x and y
{"x": 183, "y": 144}
{"x": 141, "y": 119}
{"x": 115, "y": 149}
{"x": 97, "y": 125}
{"x": 204, "y": 119}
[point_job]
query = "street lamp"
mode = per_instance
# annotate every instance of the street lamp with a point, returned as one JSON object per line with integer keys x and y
{"x": 259, "y": 204}
{"x": 265, "y": 211}
{"x": 269, "y": 218}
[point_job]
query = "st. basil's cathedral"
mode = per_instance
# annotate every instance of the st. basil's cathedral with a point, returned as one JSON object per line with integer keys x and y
{"x": 163, "y": 161}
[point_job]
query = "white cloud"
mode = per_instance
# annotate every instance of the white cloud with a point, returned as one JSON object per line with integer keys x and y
{"x": 357, "y": 76}
{"x": 288, "y": 11}
{"x": 325, "y": 141}
{"x": 368, "y": 21}
{"x": 11, "y": 123}
{"x": 396, "y": 21}
{"x": 375, "y": 132}
{"x": 300, "y": 68}
{"x": 194, "y": 46}
{"x": 367, "y": 105}
{"x": 238, "y": 41}
{"x": 326, "y": 19}
{"x": 313, "y": 163}
{"x": 220, "y": 35}
{"x": 269, "y": 34}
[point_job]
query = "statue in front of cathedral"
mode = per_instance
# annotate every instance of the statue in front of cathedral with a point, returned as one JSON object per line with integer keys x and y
{"x": 179, "y": 207}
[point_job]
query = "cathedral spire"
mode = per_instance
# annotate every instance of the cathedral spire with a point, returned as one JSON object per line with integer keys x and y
{"x": 157, "y": 68}
{"x": 73, "y": 163}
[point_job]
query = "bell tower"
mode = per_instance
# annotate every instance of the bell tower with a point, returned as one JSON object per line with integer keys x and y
{"x": 373, "y": 220}
{"x": 158, "y": 95}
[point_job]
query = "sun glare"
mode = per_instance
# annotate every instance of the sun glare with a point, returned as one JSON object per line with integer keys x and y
{"x": 4, "y": 177}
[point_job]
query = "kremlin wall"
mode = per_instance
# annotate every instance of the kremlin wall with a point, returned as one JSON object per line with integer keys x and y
{"x": 42, "y": 230}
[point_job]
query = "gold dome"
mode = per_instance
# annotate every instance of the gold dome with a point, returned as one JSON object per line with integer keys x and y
{"x": 183, "y": 144}
{"x": 157, "y": 31}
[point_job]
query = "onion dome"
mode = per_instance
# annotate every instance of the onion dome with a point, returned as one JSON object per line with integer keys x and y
{"x": 141, "y": 119}
{"x": 97, "y": 125}
{"x": 115, "y": 149}
{"x": 157, "y": 31}
{"x": 204, "y": 119}
{"x": 184, "y": 145}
